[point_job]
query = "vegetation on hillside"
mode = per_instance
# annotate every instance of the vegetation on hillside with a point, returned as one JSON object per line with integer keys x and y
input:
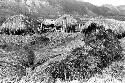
{"x": 60, "y": 55}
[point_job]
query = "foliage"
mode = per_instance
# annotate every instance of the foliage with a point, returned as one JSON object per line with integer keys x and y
{"x": 32, "y": 24}
{"x": 83, "y": 63}
{"x": 2, "y": 20}
{"x": 114, "y": 25}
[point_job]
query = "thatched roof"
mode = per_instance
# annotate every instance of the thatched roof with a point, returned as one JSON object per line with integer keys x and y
{"x": 14, "y": 22}
{"x": 68, "y": 18}
{"x": 48, "y": 21}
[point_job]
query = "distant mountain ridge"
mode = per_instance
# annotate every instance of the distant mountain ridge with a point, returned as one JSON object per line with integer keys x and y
{"x": 54, "y": 8}
{"x": 122, "y": 9}
{"x": 82, "y": 8}
{"x": 113, "y": 8}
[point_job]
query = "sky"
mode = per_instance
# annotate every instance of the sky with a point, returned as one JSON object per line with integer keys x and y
{"x": 101, "y": 2}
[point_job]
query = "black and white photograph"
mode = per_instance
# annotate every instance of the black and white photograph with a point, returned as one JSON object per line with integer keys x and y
{"x": 62, "y": 41}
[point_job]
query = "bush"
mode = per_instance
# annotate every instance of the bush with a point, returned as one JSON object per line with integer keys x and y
{"x": 83, "y": 63}
{"x": 2, "y": 20}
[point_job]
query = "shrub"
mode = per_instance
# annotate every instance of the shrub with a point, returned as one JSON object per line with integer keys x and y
{"x": 83, "y": 63}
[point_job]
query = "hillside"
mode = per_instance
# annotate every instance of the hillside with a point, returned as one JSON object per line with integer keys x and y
{"x": 43, "y": 41}
{"x": 53, "y": 8}
{"x": 122, "y": 9}
{"x": 32, "y": 56}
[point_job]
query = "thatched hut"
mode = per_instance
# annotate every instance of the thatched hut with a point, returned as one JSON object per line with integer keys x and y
{"x": 19, "y": 29}
{"x": 65, "y": 23}
{"x": 48, "y": 24}
{"x": 20, "y": 25}
{"x": 14, "y": 25}
{"x": 14, "y": 22}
